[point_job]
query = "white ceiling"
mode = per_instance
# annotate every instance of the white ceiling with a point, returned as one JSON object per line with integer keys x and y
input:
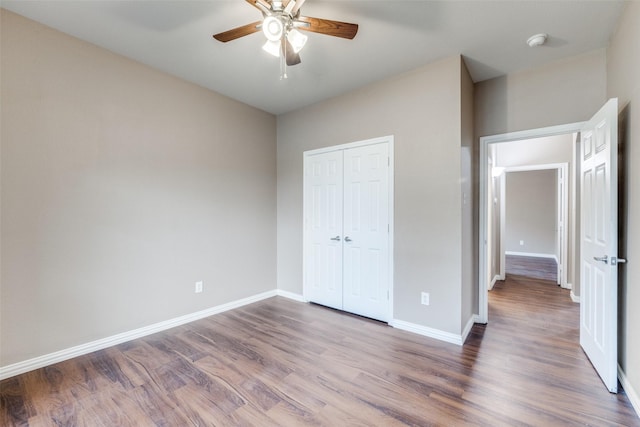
{"x": 394, "y": 37}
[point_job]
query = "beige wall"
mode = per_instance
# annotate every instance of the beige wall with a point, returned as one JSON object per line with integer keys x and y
{"x": 536, "y": 151}
{"x": 121, "y": 187}
{"x": 623, "y": 82}
{"x": 566, "y": 91}
{"x": 422, "y": 109}
{"x": 531, "y": 211}
{"x": 469, "y": 246}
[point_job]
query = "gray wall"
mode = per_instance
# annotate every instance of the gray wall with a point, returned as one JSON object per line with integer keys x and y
{"x": 531, "y": 211}
{"x": 422, "y": 109}
{"x": 121, "y": 187}
{"x": 623, "y": 82}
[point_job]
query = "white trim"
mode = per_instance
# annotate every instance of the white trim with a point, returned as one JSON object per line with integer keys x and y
{"x": 503, "y": 224}
{"x": 575, "y": 298}
{"x": 290, "y": 295}
{"x": 532, "y": 255}
{"x": 538, "y": 167}
{"x": 483, "y": 298}
{"x": 632, "y": 395}
{"x": 467, "y": 329}
{"x": 392, "y": 203}
{"x": 79, "y": 350}
{"x": 427, "y": 331}
{"x": 494, "y": 280}
{"x": 389, "y": 139}
{"x": 568, "y": 286}
{"x": 372, "y": 141}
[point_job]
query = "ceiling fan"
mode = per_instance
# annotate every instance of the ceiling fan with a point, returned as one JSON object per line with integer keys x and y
{"x": 280, "y": 24}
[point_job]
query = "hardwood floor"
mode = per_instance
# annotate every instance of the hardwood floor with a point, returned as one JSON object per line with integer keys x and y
{"x": 534, "y": 267}
{"x": 284, "y": 363}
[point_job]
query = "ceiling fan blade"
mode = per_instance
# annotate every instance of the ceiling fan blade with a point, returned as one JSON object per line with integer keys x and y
{"x": 238, "y": 32}
{"x": 328, "y": 27}
{"x": 293, "y": 6}
{"x": 260, "y": 4}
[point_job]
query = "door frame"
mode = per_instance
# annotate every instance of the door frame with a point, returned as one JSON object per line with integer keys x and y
{"x": 389, "y": 139}
{"x": 563, "y": 204}
{"x": 485, "y": 141}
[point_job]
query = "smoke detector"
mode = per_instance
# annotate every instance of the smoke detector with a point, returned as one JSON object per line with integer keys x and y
{"x": 537, "y": 40}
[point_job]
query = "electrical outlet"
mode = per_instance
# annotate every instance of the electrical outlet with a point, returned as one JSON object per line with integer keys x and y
{"x": 199, "y": 286}
{"x": 521, "y": 242}
{"x": 424, "y": 298}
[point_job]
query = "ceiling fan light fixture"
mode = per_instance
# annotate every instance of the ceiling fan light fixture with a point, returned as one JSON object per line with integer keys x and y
{"x": 273, "y": 28}
{"x": 297, "y": 39}
{"x": 272, "y": 47}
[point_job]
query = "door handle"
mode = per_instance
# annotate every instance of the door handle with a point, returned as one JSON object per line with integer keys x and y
{"x": 616, "y": 261}
{"x": 604, "y": 259}
{"x": 337, "y": 238}
{"x": 347, "y": 239}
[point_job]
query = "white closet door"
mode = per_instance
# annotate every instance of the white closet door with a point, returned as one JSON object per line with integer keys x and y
{"x": 366, "y": 231}
{"x": 323, "y": 209}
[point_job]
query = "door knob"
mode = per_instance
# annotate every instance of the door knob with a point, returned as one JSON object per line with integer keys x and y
{"x": 604, "y": 259}
{"x": 347, "y": 239}
{"x": 616, "y": 261}
{"x": 337, "y": 238}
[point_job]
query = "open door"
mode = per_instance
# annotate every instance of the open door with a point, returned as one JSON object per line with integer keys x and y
{"x": 599, "y": 243}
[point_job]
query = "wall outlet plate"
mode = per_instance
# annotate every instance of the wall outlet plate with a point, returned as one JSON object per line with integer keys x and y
{"x": 424, "y": 299}
{"x": 199, "y": 286}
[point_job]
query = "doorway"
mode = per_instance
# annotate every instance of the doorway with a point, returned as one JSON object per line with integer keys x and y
{"x": 490, "y": 246}
{"x": 598, "y": 260}
{"x": 534, "y": 214}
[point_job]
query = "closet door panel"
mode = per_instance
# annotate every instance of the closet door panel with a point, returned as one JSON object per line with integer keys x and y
{"x": 323, "y": 199}
{"x": 366, "y": 231}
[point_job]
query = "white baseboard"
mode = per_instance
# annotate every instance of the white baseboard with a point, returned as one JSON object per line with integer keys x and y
{"x": 493, "y": 281}
{"x": 574, "y": 297}
{"x": 69, "y": 353}
{"x": 467, "y": 329}
{"x": 567, "y": 286}
{"x": 633, "y": 396}
{"x": 531, "y": 254}
{"x": 290, "y": 295}
{"x": 427, "y": 332}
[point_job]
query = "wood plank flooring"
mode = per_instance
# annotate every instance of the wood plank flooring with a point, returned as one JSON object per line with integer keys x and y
{"x": 284, "y": 363}
{"x": 534, "y": 267}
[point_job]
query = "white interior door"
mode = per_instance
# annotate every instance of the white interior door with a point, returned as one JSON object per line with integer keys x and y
{"x": 366, "y": 231}
{"x": 323, "y": 228}
{"x": 347, "y": 240}
{"x": 599, "y": 243}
